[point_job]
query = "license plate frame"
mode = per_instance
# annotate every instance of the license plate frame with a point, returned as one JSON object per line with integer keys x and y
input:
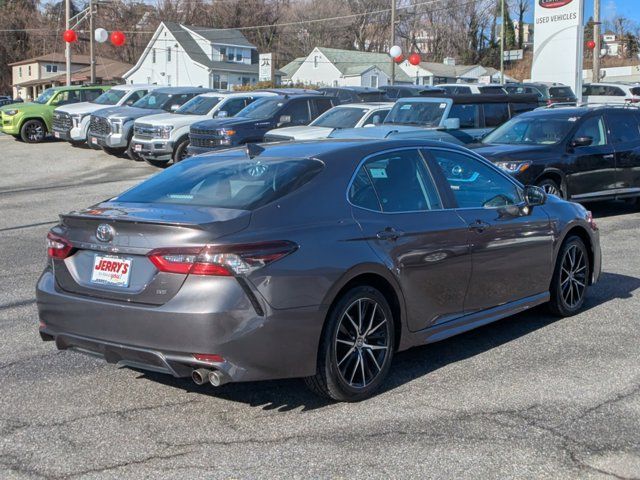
{"x": 108, "y": 272}
{"x": 137, "y": 147}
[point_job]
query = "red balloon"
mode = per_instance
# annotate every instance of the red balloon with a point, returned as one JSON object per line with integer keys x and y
{"x": 414, "y": 59}
{"x": 69, "y": 36}
{"x": 591, "y": 44}
{"x": 399, "y": 59}
{"x": 118, "y": 38}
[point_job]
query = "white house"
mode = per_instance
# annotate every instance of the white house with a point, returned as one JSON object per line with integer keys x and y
{"x": 196, "y": 56}
{"x": 334, "y": 67}
{"x": 432, "y": 73}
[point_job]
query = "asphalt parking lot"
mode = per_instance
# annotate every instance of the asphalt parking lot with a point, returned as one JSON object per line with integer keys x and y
{"x": 527, "y": 397}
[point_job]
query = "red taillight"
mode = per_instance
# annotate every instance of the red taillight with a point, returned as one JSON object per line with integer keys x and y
{"x": 208, "y": 357}
{"x": 220, "y": 260}
{"x": 58, "y": 247}
{"x": 633, "y": 100}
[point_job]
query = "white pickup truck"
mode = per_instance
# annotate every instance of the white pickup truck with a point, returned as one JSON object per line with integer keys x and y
{"x": 162, "y": 139}
{"x": 71, "y": 122}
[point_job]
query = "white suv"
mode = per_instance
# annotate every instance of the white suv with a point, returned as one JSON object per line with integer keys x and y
{"x": 71, "y": 122}
{"x": 163, "y": 138}
{"x": 610, "y": 93}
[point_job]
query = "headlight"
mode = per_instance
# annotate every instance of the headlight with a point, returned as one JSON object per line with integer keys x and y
{"x": 226, "y": 134}
{"x": 513, "y": 167}
{"x": 77, "y": 118}
{"x": 116, "y": 126}
{"x": 163, "y": 132}
{"x": 10, "y": 112}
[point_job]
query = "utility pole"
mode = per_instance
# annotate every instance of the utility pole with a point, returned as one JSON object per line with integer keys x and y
{"x": 91, "y": 47}
{"x": 393, "y": 40}
{"x": 596, "y": 39}
{"x": 67, "y": 48}
{"x": 502, "y": 35}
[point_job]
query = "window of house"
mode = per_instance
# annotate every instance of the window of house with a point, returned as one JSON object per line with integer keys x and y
{"x": 153, "y": 55}
{"x": 223, "y": 53}
{"x": 51, "y": 68}
{"x": 315, "y": 62}
{"x": 20, "y": 72}
{"x": 169, "y": 54}
{"x": 169, "y": 80}
{"x": 29, "y": 70}
{"x": 374, "y": 81}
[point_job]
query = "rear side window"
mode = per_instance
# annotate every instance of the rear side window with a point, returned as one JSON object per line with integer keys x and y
{"x": 635, "y": 90}
{"x": 469, "y": 115}
{"x": 518, "y": 108}
{"x": 400, "y": 182}
{"x": 135, "y": 96}
{"x": 623, "y": 127}
{"x": 237, "y": 184}
{"x": 495, "y": 114}
{"x": 89, "y": 95}
{"x": 298, "y": 110}
{"x": 319, "y": 106}
{"x": 178, "y": 100}
{"x": 614, "y": 91}
{"x": 234, "y": 105}
{"x": 492, "y": 90}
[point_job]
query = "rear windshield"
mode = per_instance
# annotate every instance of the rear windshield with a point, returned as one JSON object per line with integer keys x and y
{"x": 232, "y": 183}
{"x": 560, "y": 92}
{"x": 428, "y": 114}
{"x": 340, "y": 117}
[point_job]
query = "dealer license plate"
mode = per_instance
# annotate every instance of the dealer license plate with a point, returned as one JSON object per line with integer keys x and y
{"x": 110, "y": 270}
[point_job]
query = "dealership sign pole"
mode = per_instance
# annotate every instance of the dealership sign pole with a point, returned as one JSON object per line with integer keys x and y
{"x": 558, "y": 42}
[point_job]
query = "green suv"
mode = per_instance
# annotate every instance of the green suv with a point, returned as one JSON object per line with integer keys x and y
{"x": 32, "y": 121}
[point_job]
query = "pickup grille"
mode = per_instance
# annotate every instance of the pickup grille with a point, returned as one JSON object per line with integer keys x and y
{"x": 204, "y": 138}
{"x": 62, "y": 121}
{"x": 198, "y": 131}
{"x": 99, "y": 126}
{"x": 144, "y": 130}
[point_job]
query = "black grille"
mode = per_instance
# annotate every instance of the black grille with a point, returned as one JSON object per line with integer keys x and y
{"x": 197, "y": 131}
{"x": 62, "y": 121}
{"x": 204, "y": 141}
{"x": 99, "y": 125}
{"x": 143, "y": 130}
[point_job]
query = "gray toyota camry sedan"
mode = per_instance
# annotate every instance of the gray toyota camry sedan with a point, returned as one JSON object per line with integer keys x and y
{"x": 317, "y": 260}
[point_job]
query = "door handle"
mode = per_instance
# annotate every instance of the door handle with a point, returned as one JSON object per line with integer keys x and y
{"x": 609, "y": 156}
{"x": 390, "y": 234}
{"x": 479, "y": 226}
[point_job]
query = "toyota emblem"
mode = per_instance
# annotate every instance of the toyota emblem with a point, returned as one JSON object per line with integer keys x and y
{"x": 105, "y": 233}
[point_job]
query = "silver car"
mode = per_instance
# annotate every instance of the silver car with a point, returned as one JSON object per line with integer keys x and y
{"x": 314, "y": 259}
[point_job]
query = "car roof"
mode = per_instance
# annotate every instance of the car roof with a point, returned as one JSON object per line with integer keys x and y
{"x": 354, "y": 88}
{"x": 370, "y": 105}
{"x": 180, "y": 90}
{"x": 475, "y": 98}
{"x": 569, "y": 112}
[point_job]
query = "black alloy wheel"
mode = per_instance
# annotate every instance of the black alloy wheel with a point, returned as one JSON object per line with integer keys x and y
{"x": 570, "y": 278}
{"x": 33, "y": 131}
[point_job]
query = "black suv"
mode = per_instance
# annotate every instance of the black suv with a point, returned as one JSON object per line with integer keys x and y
{"x": 547, "y": 93}
{"x": 252, "y": 122}
{"x": 354, "y": 94}
{"x": 394, "y": 92}
{"x": 578, "y": 153}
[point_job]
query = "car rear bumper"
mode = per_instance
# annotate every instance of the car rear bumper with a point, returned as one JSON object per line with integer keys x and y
{"x": 256, "y": 342}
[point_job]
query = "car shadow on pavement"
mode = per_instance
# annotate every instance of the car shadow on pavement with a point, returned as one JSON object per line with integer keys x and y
{"x": 286, "y": 395}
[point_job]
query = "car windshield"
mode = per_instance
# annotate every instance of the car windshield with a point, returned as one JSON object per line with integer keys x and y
{"x": 45, "y": 96}
{"x": 153, "y": 100}
{"x": 428, "y": 114}
{"x": 263, "y": 108}
{"x": 531, "y": 131}
{"x": 340, "y": 117}
{"x": 226, "y": 183}
{"x": 110, "y": 97}
{"x": 199, "y": 105}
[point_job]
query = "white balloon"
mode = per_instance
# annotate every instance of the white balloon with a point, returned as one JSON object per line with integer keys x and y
{"x": 395, "y": 51}
{"x": 101, "y": 35}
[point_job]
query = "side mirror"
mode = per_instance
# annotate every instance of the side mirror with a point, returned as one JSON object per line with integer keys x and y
{"x": 451, "y": 124}
{"x": 222, "y": 114}
{"x": 581, "y": 142}
{"x": 284, "y": 120}
{"x": 174, "y": 107}
{"x": 534, "y": 196}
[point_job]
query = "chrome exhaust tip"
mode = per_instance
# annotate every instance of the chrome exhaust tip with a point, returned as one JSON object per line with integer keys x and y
{"x": 200, "y": 376}
{"x": 217, "y": 378}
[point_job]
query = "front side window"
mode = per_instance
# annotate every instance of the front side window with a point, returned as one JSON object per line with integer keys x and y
{"x": 593, "y": 128}
{"x": 376, "y": 118}
{"x": 153, "y": 100}
{"x": 474, "y": 184}
{"x": 428, "y": 114}
{"x": 469, "y": 115}
{"x": 67, "y": 97}
{"x": 244, "y": 184}
{"x": 45, "y": 96}
{"x": 400, "y": 181}
{"x": 110, "y": 97}
{"x": 135, "y": 96}
{"x": 233, "y": 106}
{"x": 531, "y": 131}
{"x": 263, "y": 108}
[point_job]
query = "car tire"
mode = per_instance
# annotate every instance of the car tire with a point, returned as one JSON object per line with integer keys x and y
{"x": 158, "y": 163}
{"x": 570, "y": 278}
{"x": 114, "y": 151}
{"x": 356, "y": 348}
{"x": 33, "y": 131}
{"x": 551, "y": 187}
{"x": 180, "y": 152}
